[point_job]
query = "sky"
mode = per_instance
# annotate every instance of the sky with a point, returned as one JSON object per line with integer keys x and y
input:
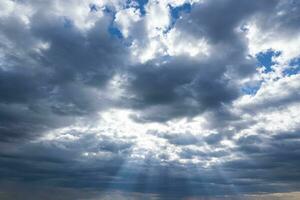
{"x": 148, "y": 99}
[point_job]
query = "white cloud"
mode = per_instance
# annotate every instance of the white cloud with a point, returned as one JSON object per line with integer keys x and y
{"x": 125, "y": 19}
{"x": 178, "y": 43}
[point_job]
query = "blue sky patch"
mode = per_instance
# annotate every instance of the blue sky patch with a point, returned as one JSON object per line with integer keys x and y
{"x": 138, "y": 4}
{"x": 114, "y": 31}
{"x": 142, "y": 4}
{"x": 177, "y": 11}
{"x": 265, "y": 59}
{"x": 294, "y": 67}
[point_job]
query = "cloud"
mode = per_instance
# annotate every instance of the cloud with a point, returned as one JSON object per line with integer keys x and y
{"x": 52, "y": 71}
{"x": 122, "y": 99}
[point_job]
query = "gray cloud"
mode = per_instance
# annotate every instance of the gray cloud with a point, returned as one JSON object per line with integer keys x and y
{"x": 47, "y": 88}
{"x": 180, "y": 87}
{"x": 183, "y": 86}
{"x": 56, "y": 75}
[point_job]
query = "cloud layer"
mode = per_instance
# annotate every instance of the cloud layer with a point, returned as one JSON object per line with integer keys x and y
{"x": 152, "y": 99}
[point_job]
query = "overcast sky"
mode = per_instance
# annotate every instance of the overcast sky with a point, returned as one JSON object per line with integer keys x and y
{"x": 169, "y": 99}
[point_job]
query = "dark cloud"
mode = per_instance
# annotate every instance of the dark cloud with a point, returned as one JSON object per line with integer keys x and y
{"x": 285, "y": 17}
{"x": 47, "y": 88}
{"x": 179, "y": 87}
{"x": 218, "y": 21}
{"x": 60, "y": 164}
{"x": 185, "y": 86}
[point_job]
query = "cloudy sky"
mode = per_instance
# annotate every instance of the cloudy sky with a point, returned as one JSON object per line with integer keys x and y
{"x": 148, "y": 99}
